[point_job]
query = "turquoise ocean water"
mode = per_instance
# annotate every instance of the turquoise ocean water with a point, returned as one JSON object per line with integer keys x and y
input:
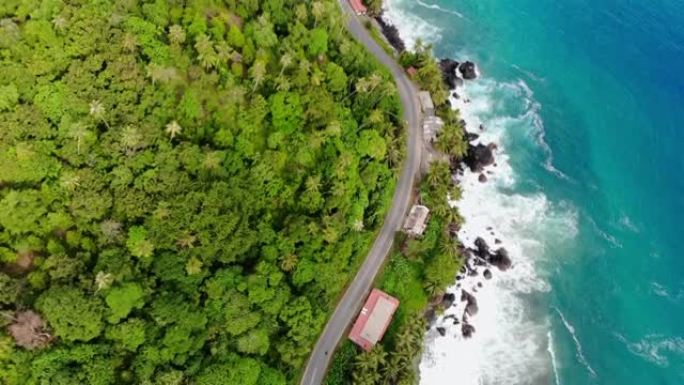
{"x": 589, "y": 100}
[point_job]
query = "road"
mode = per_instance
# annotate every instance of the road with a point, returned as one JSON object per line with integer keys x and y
{"x": 357, "y": 291}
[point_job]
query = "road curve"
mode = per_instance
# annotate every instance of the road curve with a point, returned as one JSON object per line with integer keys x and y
{"x": 358, "y": 289}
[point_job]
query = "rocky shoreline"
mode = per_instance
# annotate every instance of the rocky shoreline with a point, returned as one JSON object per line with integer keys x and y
{"x": 480, "y": 260}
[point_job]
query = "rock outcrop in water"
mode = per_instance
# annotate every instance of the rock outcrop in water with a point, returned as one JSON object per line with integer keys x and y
{"x": 471, "y": 303}
{"x": 500, "y": 259}
{"x": 449, "y": 68}
{"x": 448, "y": 300}
{"x": 468, "y": 70}
{"x": 467, "y": 329}
{"x": 479, "y": 156}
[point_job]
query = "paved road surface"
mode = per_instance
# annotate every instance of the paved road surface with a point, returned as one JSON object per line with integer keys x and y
{"x": 357, "y": 291}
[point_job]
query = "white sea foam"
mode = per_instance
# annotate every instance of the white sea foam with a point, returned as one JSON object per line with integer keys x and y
{"x": 438, "y": 8}
{"x": 410, "y": 26}
{"x": 578, "y": 346}
{"x": 510, "y": 346}
{"x": 552, "y": 353}
{"x": 656, "y": 348}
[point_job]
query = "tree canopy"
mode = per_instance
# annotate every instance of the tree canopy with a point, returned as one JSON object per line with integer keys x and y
{"x": 185, "y": 186}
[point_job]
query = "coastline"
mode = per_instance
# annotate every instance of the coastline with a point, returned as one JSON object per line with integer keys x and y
{"x": 491, "y": 330}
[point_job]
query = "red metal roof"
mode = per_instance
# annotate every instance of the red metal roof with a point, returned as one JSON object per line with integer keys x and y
{"x": 373, "y": 319}
{"x": 358, "y": 6}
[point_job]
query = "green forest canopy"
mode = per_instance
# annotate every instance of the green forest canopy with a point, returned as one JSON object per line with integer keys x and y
{"x": 185, "y": 186}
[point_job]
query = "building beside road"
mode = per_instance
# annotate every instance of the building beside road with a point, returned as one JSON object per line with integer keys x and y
{"x": 358, "y": 7}
{"x": 426, "y": 103}
{"x": 416, "y": 221}
{"x": 373, "y": 320}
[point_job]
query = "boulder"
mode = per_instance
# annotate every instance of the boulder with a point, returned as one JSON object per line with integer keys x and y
{"x": 467, "y": 330}
{"x": 467, "y": 70}
{"x": 482, "y": 178}
{"x": 452, "y": 317}
{"x": 455, "y": 95}
{"x": 478, "y": 157}
{"x": 471, "y": 303}
{"x": 441, "y": 331}
{"x": 500, "y": 259}
{"x": 448, "y": 299}
{"x": 482, "y": 248}
{"x": 449, "y": 75}
{"x": 497, "y": 241}
{"x": 471, "y": 136}
{"x": 487, "y": 274}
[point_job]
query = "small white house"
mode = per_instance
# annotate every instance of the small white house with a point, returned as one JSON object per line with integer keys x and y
{"x": 416, "y": 220}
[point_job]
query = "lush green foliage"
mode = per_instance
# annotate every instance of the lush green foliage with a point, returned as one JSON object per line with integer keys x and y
{"x": 185, "y": 186}
{"x": 420, "y": 271}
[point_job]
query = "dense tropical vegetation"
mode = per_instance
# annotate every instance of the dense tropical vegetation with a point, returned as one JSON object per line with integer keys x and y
{"x": 185, "y": 186}
{"x": 420, "y": 269}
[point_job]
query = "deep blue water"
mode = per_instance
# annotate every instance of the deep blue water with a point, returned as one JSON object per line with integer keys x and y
{"x": 608, "y": 76}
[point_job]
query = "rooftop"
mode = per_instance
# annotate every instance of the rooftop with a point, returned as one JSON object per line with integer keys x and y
{"x": 415, "y": 222}
{"x": 373, "y": 319}
{"x": 426, "y": 102}
{"x": 358, "y": 7}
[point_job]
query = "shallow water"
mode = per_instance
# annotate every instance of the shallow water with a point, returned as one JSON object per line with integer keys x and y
{"x": 586, "y": 102}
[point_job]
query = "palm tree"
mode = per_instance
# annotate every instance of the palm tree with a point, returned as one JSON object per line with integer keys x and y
{"x": 205, "y": 51}
{"x": 289, "y": 262}
{"x": 285, "y": 61}
{"x": 176, "y": 34}
{"x": 129, "y": 43}
{"x": 98, "y": 111}
{"x": 318, "y": 11}
{"x": 173, "y": 129}
{"x": 130, "y": 138}
{"x": 78, "y": 132}
{"x": 282, "y": 83}
{"x": 60, "y": 23}
{"x": 70, "y": 181}
{"x": 103, "y": 281}
{"x": 317, "y": 78}
{"x": 258, "y": 73}
{"x": 301, "y": 13}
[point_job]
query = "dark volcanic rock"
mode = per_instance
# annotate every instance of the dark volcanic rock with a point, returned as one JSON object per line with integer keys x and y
{"x": 482, "y": 248}
{"x": 501, "y": 259}
{"x": 448, "y": 299}
{"x": 479, "y": 156}
{"x": 441, "y": 331}
{"x": 467, "y": 70}
{"x": 391, "y": 34}
{"x": 497, "y": 241}
{"x": 479, "y": 261}
{"x": 467, "y": 330}
{"x": 479, "y": 284}
{"x": 471, "y": 303}
{"x": 471, "y": 137}
{"x": 487, "y": 274}
{"x": 452, "y": 317}
{"x": 449, "y": 75}
{"x": 482, "y": 178}
{"x": 455, "y": 95}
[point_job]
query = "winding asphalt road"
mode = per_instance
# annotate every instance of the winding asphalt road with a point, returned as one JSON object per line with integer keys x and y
{"x": 358, "y": 289}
